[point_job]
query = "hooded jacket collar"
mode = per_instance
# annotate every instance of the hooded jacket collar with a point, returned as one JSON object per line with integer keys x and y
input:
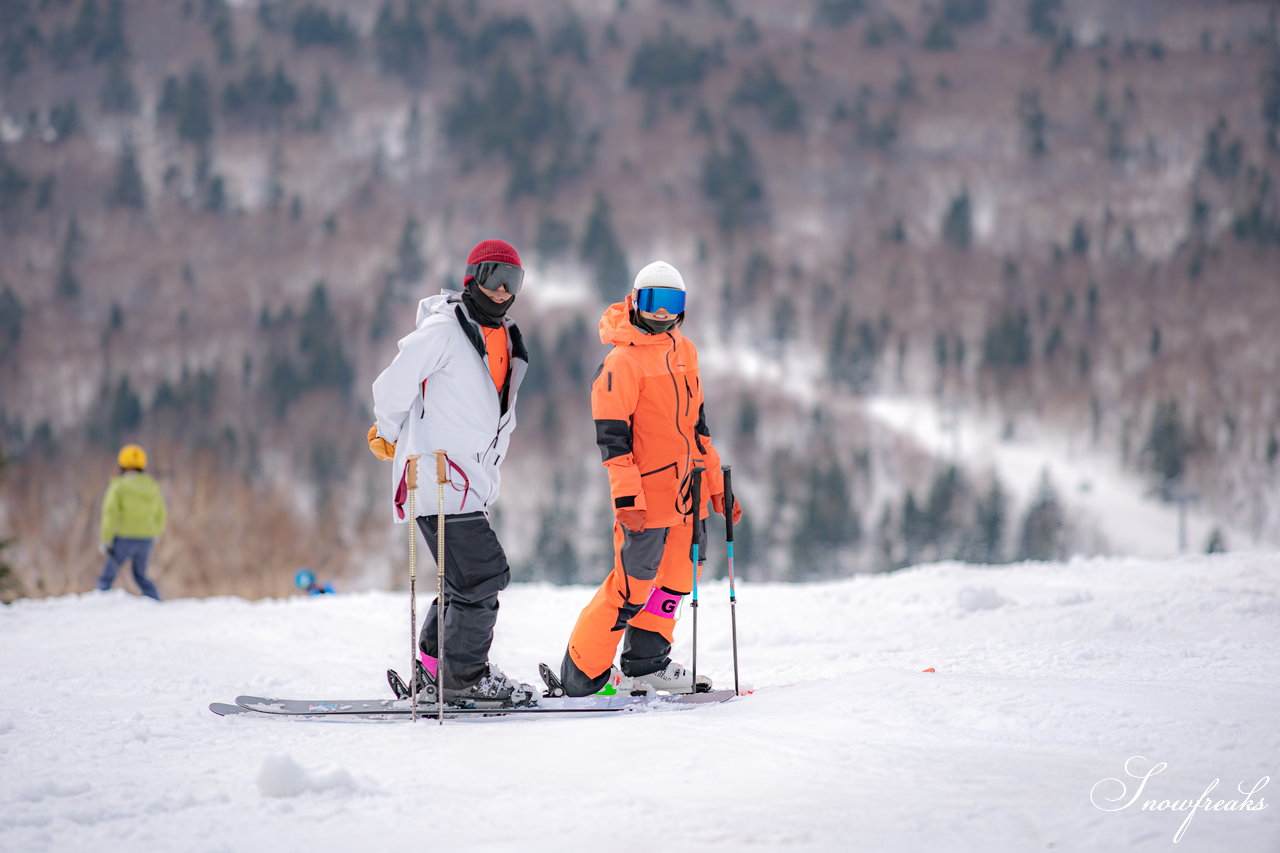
{"x": 616, "y": 328}
{"x": 450, "y": 302}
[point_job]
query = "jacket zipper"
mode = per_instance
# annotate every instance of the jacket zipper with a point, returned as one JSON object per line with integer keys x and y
{"x": 675, "y": 386}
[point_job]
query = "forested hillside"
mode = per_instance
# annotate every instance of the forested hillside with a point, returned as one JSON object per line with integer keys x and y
{"x": 216, "y": 219}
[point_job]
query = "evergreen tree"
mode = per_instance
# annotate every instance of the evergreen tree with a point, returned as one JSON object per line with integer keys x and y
{"x": 1079, "y": 238}
{"x": 1034, "y": 123}
{"x": 410, "y": 265}
{"x": 67, "y": 284}
{"x": 731, "y": 181}
{"x": 914, "y": 531}
{"x": 1040, "y": 18}
{"x": 315, "y": 26}
{"x": 667, "y": 62}
{"x": 195, "y": 108}
{"x": 170, "y": 96}
{"x": 957, "y": 226}
{"x": 64, "y": 119}
{"x": 110, "y": 40}
{"x": 556, "y": 557}
{"x": 987, "y": 535}
{"x": 1007, "y": 344}
{"x": 939, "y": 35}
{"x": 837, "y": 13}
{"x": 413, "y": 134}
{"x": 853, "y": 352}
{"x": 1167, "y": 445}
{"x": 963, "y": 13}
{"x": 1271, "y": 97}
{"x": 400, "y": 43}
{"x": 603, "y": 254}
{"x": 570, "y": 38}
{"x": 554, "y": 237}
{"x": 938, "y": 525}
{"x": 129, "y": 189}
{"x": 217, "y": 13}
{"x": 10, "y": 587}
{"x": 124, "y": 411}
{"x": 11, "y": 317}
{"x": 762, "y": 88}
{"x": 1043, "y": 528}
{"x": 828, "y": 522}
{"x": 13, "y": 184}
{"x": 320, "y": 341}
{"x": 118, "y": 94}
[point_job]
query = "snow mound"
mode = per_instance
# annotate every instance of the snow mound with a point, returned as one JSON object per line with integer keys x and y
{"x": 975, "y": 598}
{"x": 282, "y": 776}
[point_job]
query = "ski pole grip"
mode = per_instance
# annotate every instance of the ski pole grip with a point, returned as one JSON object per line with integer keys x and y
{"x": 728, "y": 503}
{"x": 442, "y": 474}
{"x": 411, "y": 473}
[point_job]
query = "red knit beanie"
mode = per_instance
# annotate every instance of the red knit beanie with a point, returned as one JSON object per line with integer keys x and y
{"x": 492, "y": 250}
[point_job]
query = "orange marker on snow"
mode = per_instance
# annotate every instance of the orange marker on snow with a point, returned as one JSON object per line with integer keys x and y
{"x": 930, "y": 669}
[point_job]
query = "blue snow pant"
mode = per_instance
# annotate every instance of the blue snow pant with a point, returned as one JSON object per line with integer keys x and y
{"x": 136, "y": 551}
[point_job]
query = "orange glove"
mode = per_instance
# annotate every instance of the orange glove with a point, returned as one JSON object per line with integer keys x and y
{"x": 383, "y": 449}
{"x": 631, "y": 518}
{"x": 717, "y": 503}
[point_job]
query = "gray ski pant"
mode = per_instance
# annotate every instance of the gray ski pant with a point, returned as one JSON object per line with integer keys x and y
{"x": 475, "y": 571}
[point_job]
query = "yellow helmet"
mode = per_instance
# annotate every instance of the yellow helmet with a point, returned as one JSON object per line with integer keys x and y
{"x": 132, "y": 456}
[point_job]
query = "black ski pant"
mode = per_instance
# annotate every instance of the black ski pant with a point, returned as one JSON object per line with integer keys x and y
{"x": 475, "y": 571}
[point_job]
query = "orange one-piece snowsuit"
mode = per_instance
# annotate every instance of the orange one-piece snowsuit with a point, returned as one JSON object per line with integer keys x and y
{"x": 646, "y": 400}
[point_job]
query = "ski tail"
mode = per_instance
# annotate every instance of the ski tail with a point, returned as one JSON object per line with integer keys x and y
{"x": 426, "y": 685}
{"x": 554, "y": 687}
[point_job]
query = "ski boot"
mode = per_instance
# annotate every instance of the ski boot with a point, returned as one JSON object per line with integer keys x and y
{"x": 673, "y": 678}
{"x": 494, "y": 690}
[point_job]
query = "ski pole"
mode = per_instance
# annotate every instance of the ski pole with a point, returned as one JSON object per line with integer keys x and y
{"x": 733, "y": 596}
{"x": 411, "y": 482}
{"x": 441, "y": 478}
{"x": 697, "y": 513}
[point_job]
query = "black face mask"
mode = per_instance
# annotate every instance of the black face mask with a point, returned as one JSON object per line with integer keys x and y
{"x": 655, "y": 327}
{"x": 484, "y": 310}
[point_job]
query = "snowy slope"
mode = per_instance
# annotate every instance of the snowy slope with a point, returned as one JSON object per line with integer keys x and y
{"x": 1050, "y": 679}
{"x": 1116, "y": 506}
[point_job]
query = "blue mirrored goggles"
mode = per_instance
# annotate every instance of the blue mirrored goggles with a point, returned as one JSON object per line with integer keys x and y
{"x": 493, "y": 275}
{"x": 650, "y": 299}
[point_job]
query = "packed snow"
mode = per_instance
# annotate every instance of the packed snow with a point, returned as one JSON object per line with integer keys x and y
{"x": 1096, "y": 705}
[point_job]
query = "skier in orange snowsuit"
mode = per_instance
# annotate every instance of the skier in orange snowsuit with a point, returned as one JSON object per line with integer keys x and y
{"x": 646, "y": 400}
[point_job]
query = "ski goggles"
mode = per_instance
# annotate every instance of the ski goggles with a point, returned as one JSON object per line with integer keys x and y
{"x": 492, "y": 275}
{"x": 652, "y": 299}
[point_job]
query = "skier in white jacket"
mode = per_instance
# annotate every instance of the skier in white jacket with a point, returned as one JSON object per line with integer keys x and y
{"x": 453, "y": 387}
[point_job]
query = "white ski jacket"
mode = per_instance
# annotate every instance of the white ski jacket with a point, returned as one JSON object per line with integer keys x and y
{"x": 438, "y": 395}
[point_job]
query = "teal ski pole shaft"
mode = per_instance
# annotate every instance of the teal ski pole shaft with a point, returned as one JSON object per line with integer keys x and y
{"x": 733, "y": 595}
{"x": 697, "y": 540}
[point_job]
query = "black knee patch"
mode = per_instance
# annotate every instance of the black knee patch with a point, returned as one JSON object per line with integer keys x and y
{"x": 625, "y": 614}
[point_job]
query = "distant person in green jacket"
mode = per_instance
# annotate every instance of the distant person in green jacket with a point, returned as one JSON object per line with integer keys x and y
{"x": 133, "y": 515}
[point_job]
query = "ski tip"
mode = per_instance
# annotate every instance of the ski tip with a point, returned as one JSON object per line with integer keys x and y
{"x": 223, "y": 709}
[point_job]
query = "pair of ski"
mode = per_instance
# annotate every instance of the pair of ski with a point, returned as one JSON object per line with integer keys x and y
{"x": 553, "y": 702}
